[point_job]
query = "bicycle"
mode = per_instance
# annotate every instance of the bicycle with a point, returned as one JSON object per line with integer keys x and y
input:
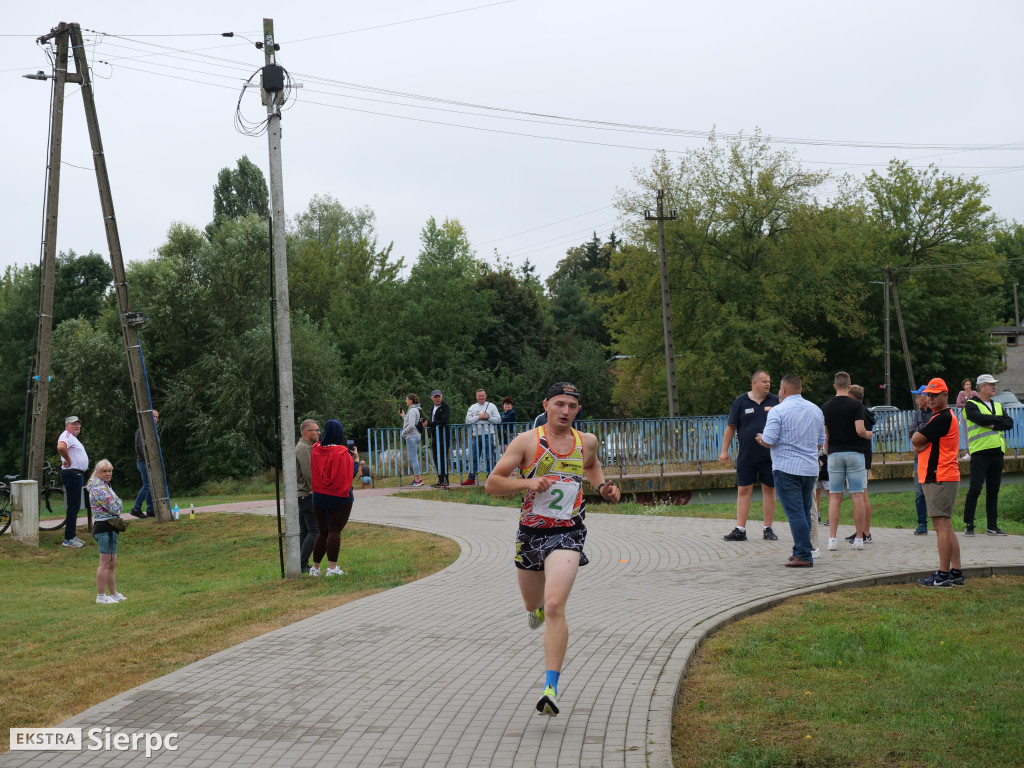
{"x": 50, "y": 493}
{"x": 5, "y": 503}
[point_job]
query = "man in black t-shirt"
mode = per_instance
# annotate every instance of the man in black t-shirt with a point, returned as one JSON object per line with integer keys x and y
{"x": 753, "y": 462}
{"x": 845, "y": 430}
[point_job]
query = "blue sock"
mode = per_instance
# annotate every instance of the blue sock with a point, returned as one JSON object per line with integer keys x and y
{"x": 552, "y": 679}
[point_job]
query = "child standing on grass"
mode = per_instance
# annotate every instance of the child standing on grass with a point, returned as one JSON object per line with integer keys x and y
{"x": 364, "y": 474}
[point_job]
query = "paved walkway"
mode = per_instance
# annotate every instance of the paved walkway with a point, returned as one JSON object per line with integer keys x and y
{"x": 445, "y": 672}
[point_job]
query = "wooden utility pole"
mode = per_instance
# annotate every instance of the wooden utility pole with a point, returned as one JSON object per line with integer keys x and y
{"x": 273, "y": 88}
{"x": 666, "y": 311}
{"x": 128, "y": 320}
{"x": 48, "y": 268}
{"x": 888, "y": 355}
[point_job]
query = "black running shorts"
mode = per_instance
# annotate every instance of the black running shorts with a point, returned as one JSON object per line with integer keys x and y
{"x": 532, "y": 548}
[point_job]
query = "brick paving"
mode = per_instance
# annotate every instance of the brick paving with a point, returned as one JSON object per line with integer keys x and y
{"x": 445, "y": 671}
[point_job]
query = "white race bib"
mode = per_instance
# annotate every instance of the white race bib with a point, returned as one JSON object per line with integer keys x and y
{"x": 558, "y": 501}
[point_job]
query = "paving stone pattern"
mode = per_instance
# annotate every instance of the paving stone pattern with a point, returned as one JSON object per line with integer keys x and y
{"x": 445, "y": 671}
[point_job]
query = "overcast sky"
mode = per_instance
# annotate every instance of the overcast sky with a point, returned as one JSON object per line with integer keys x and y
{"x": 911, "y": 73}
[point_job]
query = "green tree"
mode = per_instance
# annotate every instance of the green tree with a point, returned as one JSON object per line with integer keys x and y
{"x": 240, "y": 192}
{"x": 935, "y": 230}
{"x": 581, "y": 288}
{"x": 746, "y": 293}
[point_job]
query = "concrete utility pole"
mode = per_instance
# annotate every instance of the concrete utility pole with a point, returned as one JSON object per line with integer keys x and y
{"x": 65, "y": 35}
{"x": 666, "y": 311}
{"x": 47, "y": 271}
{"x": 273, "y": 87}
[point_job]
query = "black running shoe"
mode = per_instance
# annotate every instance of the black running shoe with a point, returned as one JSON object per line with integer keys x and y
{"x": 736, "y": 535}
{"x": 770, "y": 534}
{"x": 936, "y": 580}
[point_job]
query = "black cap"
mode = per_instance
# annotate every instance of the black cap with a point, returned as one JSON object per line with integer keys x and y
{"x": 563, "y": 388}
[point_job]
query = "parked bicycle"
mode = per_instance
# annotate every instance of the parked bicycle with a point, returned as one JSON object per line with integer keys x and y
{"x": 51, "y": 494}
{"x": 5, "y": 503}
{"x": 51, "y": 501}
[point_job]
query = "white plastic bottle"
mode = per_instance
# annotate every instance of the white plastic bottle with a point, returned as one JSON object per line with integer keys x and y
{"x": 174, "y": 512}
{"x": 191, "y": 511}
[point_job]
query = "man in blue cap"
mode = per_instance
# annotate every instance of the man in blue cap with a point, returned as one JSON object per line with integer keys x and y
{"x": 921, "y": 416}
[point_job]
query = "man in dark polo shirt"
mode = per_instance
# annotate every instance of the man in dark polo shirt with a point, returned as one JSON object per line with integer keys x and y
{"x": 747, "y": 416}
{"x": 846, "y": 433}
{"x": 937, "y": 444}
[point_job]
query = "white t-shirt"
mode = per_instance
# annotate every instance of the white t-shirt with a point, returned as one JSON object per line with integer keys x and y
{"x": 76, "y": 451}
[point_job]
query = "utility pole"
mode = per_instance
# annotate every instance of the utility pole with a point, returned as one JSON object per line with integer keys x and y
{"x": 888, "y": 355}
{"x": 273, "y": 88}
{"x": 65, "y": 34}
{"x": 903, "y": 331}
{"x": 1016, "y": 307}
{"x": 666, "y": 311}
{"x": 47, "y": 270}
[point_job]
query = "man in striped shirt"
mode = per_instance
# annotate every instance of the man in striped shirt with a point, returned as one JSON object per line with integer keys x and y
{"x": 795, "y": 432}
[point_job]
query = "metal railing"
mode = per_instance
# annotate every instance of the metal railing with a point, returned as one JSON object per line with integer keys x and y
{"x": 654, "y": 444}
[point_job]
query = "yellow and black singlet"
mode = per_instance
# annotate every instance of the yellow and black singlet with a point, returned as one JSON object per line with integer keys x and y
{"x": 561, "y": 506}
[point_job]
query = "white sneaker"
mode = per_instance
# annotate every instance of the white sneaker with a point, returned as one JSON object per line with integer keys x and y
{"x": 74, "y": 543}
{"x": 334, "y": 572}
{"x": 105, "y": 600}
{"x": 857, "y": 544}
{"x": 117, "y": 597}
{"x": 816, "y": 554}
{"x": 833, "y": 545}
{"x": 314, "y": 571}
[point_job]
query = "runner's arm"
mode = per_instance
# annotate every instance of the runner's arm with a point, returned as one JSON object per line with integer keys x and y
{"x": 498, "y": 481}
{"x": 593, "y": 471}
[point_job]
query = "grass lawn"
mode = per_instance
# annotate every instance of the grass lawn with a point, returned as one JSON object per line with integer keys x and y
{"x": 887, "y": 676}
{"x": 193, "y": 588}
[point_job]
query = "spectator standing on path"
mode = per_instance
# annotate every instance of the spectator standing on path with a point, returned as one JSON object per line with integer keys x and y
{"x": 857, "y": 393}
{"x": 985, "y": 422}
{"x": 106, "y": 506}
{"x": 483, "y": 416}
{"x": 965, "y": 394}
{"x": 794, "y": 431}
{"x": 553, "y": 460}
{"x": 74, "y": 462}
{"x": 333, "y": 467}
{"x": 440, "y": 439}
{"x": 937, "y": 444}
{"x": 309, "y": 432}
{"x": 412, "y": 423}
{"x": 747, "y": 417}
{"x": 921, "y": 416}
{"x": 844, "y": 428}
{"x": 145, "y": 493}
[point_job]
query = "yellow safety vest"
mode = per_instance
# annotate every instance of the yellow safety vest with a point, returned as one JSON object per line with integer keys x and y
{"x": 981, "y": 438}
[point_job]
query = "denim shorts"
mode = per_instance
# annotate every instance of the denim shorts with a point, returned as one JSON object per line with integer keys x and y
{"x": 107, "y": 541}
{"x": 847, "y": 467}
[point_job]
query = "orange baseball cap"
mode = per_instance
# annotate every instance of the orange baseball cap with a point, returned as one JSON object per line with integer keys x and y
{"x": 935, "y": 386}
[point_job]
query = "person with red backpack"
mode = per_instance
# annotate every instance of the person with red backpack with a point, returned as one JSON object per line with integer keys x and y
{"x": 332, "y": 467}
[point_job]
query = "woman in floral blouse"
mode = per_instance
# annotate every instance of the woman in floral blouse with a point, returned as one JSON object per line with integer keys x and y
{"x": 105, "y": 506}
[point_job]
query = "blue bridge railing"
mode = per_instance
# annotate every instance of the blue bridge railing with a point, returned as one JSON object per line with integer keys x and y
{"x": 637, "y": 443}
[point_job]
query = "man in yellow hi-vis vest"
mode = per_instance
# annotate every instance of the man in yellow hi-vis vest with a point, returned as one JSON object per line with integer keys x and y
{"x": 985, "y": 442}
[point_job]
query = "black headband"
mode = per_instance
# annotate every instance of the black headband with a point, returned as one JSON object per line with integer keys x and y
{"x": 563, "y": 388}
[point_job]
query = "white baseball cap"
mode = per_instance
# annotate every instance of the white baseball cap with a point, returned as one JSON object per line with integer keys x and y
{"x": 986, "y": 378}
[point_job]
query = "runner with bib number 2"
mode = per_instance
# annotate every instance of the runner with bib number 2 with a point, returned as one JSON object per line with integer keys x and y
{"x": 553, "y": 460}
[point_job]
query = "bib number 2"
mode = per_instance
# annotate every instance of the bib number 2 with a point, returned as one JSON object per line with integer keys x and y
{"x": 557, "y": 502}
